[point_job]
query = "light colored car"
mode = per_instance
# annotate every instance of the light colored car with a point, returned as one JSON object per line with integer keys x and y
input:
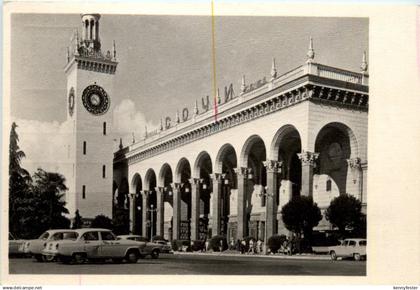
{"x": 349, "y": 248}
{"x": 166, "y": 246}
{"x": 14, "y": 245}
{"x": 34, "y": 247}
{"x": 91, "y": 244}
{"x": 146, "y": 248}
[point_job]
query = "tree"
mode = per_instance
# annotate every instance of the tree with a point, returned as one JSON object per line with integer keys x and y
{"x": 300, "y": 215}
{"x": 19, "y": 183}
{"x": 78, "y": 223}
{"x": 121, "y": 221}
{"x": 345, "y": 213}
{"x": 101, "y": 221}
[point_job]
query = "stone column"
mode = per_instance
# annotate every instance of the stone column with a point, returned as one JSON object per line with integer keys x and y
{"x": 159, "y": 211}
{"x": 195, "y": 207}
{"x": 273, "y": 171}
{"x": 145, "y": 194}
{"x": 355, "y": 167}
{"x": 242, "y": 175}
{"x": 176, "y": 189}
{"x": 132, "y": 212}
{"x": 217, "y": 191}
{"x": 308, "y": 160}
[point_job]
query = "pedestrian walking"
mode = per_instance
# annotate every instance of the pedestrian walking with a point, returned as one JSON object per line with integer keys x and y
{"x": 259, "y": 246}
{"x": 251, "y": 246}
{"x": 243, "y": 246}
{"x": 206, "y": 246}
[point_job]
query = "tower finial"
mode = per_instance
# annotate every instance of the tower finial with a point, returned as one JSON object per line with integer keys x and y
{"x": 161, "y": 124}
{"x": 68, "y": 54}
{"x": 121, "y": 145}
{"x": 219, "y": 99}
{"x": 311, "y": 52}
{"x": 134, "y": 140}
{"x": 364, "y": 65}
{"x": 243, "y": 85}
{"x": 114, "y": 50}
{"x": 273, "y": 69}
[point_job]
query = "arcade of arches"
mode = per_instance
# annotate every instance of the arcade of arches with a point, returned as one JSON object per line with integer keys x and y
{"x": 240, "y": 193}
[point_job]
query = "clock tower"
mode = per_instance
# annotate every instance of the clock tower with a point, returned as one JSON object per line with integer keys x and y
{"x": 90, "y": 74}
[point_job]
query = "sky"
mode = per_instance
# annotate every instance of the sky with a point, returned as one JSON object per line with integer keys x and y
{"x": 165, "y": 64}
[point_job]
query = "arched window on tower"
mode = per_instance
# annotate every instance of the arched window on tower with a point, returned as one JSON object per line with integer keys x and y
{"x": 84, "y": 191}
{"x": 84, "y": 147}
{"x": 104, "y": 128}
{"x": 103, "y": 171}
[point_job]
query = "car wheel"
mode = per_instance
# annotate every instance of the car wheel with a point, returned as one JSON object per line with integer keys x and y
{"x": 132, "y": 257}
{"x": 333, "y": 256}
{"x": 356, "y": 256}
{"x": 39, "y": 258}
{"x": 79, "y": 258}
{"x": 48, "y": 258}
{"x": 155, "y": 254}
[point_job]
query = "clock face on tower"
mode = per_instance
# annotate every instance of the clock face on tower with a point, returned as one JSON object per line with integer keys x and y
{"x": 71, "y": 101}
{"x": 95, "y": 100}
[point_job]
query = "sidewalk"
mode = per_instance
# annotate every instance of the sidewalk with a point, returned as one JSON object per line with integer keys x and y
{"x": 274, "y": 256}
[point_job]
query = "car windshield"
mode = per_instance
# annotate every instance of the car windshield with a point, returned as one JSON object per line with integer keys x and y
{"x": 44, "y": 236}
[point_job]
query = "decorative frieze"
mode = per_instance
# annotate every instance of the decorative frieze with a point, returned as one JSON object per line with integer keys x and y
{"x": 317, "y": 94}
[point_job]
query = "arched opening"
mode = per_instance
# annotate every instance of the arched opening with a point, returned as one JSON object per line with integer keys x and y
{"x": 136, "y": 185}
{"x": 165, "y": 180}
{"x": 252, "y": 157}
{"x": 91, "y": 29}
{"x": 335, "y": 143}
{"x": 149, "y": 204}
{"x": 226, "y": 162}
{"x": 203, "y": 168}
{"x": 183, "y": 174}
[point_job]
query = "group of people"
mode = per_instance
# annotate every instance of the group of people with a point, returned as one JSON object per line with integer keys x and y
{"x": 252, "y": 247}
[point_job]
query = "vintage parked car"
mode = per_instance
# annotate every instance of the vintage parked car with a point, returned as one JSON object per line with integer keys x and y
{"x": 166, "y": 246}
{"x": 349, "y": 248}
{"x": 14, "y": 245}
{"x": 93, "y": 244}
{"x": 34, "y": 247}
{"x": 146, "y": 248}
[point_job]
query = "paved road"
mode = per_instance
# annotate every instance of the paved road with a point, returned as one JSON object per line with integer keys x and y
{"x": 197, "y": 265}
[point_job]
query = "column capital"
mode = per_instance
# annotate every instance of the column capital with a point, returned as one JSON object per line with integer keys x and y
{"x": 354, "y": 163}
{"x": 273, "y": 166}
{"x": 176, "y": 185}
{"x": 308, "y": 158}
{"x": 132, "y": 195}
{"x": 194, "y": 181}
{"x": 242, "y": 171}
{"x": 216, "y": 176}
{"x": 159, "y": 189}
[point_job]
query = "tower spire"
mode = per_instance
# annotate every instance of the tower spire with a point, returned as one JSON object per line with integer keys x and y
{"x": 273, "y": 69}
{"x": 114, "y": 50}
{"x": 311, "y": 52}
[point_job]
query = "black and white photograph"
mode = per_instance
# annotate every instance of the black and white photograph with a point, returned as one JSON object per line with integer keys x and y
{"x": 147, "y": 144}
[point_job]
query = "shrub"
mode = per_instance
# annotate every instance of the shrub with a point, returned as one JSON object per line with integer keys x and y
{"x": 101, "y": 221}
{"x": 214, "y": 243}
{"x": 198, "y": 245}
{"x": 275, "y": 242}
